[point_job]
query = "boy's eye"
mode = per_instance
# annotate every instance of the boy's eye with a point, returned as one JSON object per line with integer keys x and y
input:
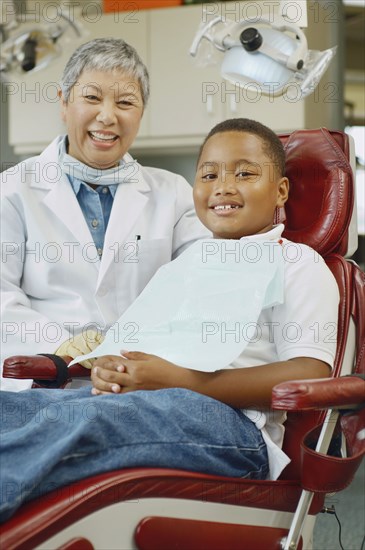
{"x": 243, "y": 174}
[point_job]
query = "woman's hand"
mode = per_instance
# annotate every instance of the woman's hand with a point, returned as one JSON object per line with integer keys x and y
{"x": 134, "y": 371}
{"x": 81, "y": 344}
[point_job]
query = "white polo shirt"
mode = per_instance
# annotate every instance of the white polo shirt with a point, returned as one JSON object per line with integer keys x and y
{"x": 305, "y": 325}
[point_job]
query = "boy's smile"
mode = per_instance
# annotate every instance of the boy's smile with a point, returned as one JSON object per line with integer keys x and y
{"x": 225, "y": 209}
{"x": 237, "y": 186}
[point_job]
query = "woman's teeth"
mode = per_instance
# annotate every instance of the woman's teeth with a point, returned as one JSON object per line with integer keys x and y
{"x": 102, "y": 137}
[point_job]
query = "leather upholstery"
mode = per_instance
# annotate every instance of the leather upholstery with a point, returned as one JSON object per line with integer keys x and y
{"x": 325, "y": 393}
{"x": 40, "y": 367}
{"x": 161, "y": 533}
{"x": 328, "y": 474}
{"x": 52, "y": 513}
{"x": 318, "y": 214}
{"x": 319, "y": 209}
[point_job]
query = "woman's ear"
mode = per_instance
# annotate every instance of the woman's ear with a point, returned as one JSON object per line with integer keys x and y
{"x": 63, "y": 105}
{"x": 283, "y": 191}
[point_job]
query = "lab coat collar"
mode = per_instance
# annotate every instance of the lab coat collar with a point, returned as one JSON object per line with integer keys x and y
{"x": 47, "y": 172}
{"x": 129, "y": 201}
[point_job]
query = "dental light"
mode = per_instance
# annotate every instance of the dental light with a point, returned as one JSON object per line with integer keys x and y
{"x": 270, "y": 53}
{"x": 30, "y": 46}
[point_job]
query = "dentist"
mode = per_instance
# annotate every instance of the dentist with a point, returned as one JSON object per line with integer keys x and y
{"x": 84, "y": 226}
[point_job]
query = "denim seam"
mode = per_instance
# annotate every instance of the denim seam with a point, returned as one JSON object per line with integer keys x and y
{"x": 245, "y": 449}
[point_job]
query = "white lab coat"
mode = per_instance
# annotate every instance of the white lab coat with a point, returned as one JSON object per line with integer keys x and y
{"x": 53, "y": 284}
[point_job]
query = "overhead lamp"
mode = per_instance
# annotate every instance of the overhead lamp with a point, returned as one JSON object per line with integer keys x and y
{"x": 30, "y": 46}
{"x": 271, "y": 54}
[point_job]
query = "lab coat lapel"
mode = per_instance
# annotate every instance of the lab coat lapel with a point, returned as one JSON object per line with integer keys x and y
{"x": 129, "y": 202}
{"x": 62, "y": 202}
{"x": 59, "y": 196}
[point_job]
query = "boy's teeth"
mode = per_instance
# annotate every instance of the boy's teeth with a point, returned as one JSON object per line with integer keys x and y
{"x": 225, "y": 206}
{"x": 102, "y": 137}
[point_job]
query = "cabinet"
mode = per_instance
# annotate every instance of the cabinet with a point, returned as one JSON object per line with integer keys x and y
{"x": 189, "y": 101}
{"x": 34, "y": 106}
{"x": 186, "y": 101}
{"x": 182, "y": 99}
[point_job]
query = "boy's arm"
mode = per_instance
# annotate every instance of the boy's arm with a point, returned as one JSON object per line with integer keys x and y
{"x": 239, "y": 388}
{"x": 310, "y": 307}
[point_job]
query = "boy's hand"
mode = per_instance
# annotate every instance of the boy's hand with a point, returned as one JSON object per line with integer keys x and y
{"x": 105, "y": 374}
{"x": 133, "y": 371}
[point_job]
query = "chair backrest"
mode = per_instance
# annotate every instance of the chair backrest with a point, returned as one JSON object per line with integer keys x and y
{"x": 320, "y": 210}
{"x": 320, "y": 213}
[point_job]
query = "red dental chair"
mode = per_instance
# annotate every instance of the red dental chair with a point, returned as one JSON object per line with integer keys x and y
{"x": 156, "y": 509}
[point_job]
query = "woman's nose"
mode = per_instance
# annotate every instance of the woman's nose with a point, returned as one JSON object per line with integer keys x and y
{"x": 106, "y": 114}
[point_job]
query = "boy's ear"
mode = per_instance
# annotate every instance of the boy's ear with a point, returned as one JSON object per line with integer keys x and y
{"x": 283, "y": 191}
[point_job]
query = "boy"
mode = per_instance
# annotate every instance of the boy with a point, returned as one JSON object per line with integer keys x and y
{"x": 212, "y": 422}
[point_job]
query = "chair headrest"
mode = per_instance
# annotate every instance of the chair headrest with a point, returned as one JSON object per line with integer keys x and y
{"x": 321, "y": 198}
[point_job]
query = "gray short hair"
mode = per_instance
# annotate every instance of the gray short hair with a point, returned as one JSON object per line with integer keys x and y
{"x": 105, "y": 54}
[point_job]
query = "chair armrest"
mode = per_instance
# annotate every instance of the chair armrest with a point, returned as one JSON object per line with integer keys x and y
{"x": 39, "y": 367}
{"x": 323, "y": 393}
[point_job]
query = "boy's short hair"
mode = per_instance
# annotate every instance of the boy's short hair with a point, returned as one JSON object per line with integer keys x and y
{"x": 272, "y": 145}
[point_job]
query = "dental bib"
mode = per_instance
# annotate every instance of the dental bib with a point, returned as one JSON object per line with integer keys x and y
{"x": 200, "y": 310}
{"x": 111, "y": 176}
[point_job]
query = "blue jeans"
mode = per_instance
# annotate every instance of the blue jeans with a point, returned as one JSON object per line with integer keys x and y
{"x": 50, "y": 438}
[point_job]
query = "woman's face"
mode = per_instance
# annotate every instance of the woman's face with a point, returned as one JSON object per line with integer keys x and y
{"x": 102, "y": 115}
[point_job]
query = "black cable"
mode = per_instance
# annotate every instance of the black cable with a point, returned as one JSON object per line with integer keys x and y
{"x": 339, "y": 528}
{"x": 332, "y": 511}
{"x": 363, "y": 543}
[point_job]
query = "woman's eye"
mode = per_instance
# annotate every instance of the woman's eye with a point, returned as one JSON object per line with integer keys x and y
{"x": 91, "y": 97}
{"x": 209, "y": 177}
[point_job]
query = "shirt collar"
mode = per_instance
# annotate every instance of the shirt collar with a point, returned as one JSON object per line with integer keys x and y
{"x": 76, "y": 186}
{"x": 76, "y": 183}
{"x": 272, "y": 235}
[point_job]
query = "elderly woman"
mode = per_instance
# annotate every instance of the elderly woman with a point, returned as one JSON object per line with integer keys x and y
{"x": 84, "y": 225}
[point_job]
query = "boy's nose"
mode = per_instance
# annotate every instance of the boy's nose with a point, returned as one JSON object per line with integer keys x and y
{"x": 225, "y": 185}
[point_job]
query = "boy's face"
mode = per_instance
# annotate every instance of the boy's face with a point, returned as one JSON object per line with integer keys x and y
{"x": 237, "y": 186}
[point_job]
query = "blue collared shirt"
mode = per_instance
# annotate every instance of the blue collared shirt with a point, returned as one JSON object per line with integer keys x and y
{"x": 96, "y": 205}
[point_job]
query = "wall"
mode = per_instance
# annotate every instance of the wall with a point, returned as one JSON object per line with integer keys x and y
{"x": 181, "y": 164}
{"x": 7, "y": 155}
{"x": 326, "y": 29}
{"x": 322, "y": 108}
